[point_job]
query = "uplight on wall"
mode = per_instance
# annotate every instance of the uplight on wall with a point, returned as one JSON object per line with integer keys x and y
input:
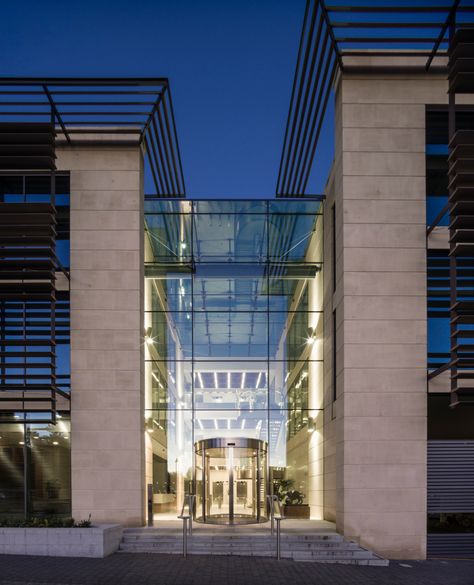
{"x": 311, "y": 336}
{"x": 148, "y": 337}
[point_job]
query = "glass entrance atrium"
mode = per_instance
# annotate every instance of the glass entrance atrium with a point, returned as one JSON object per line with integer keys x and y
{"x": 233, "y": 347}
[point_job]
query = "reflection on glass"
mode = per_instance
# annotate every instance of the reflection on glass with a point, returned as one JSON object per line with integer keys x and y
{"x": 227, "y": 237}
{"x": 35, "y": 469}
{"x": 12, "y": 481}
{"x": 50, "y": 465}
{"x": 168, "y": 452}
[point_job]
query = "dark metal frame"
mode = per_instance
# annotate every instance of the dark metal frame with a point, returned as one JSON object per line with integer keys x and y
{"x": 34, "y": 316}
{"x": 452, "y": 291}
{"x": 332, "y": 32}
{"x": 81, "y": 108}
{"x": 461, "y": 217}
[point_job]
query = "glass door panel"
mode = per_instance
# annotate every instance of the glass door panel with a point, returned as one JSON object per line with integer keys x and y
{"x": 230, "y": 480}
{"x": 217, "y": 496}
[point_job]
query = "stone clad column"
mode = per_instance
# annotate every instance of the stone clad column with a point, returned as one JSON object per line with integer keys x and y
{"x": 376, "y": 428}
{"x": 107, "y": 434}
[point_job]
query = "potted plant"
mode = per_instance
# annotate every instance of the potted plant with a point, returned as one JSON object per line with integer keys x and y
{"x": 291, "y": 499}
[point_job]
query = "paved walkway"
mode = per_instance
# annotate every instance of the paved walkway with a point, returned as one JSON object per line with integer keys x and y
{"x": 136, "y": 569}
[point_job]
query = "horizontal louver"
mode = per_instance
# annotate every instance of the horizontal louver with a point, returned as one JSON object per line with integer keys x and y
{"x": 27, "y": 146}
{"x": 450, "y": 476}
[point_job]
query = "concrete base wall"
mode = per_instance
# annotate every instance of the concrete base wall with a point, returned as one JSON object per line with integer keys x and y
{"x": 97, "y": 541}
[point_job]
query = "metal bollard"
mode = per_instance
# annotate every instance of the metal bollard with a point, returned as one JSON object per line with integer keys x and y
{"x": 278, "y": 521}
{"x": 150, "y": 504}
{"x": 185, "y": 537}
{"x": 191, "y": 510}
{"x": 270, "y": 503}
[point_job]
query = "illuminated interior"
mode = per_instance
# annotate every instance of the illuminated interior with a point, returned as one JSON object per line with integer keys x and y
{"x": 233, "y": 340}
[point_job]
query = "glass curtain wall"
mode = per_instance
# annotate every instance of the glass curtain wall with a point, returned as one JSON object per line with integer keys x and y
{"x": 233, "y": 340}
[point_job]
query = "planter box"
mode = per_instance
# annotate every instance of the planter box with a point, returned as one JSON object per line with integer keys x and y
{"x": 97, "y": 541}
{"x": 297, "y": 511}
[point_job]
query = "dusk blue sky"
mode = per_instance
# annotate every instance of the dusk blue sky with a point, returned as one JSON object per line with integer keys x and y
{"x": 230, "y": 63}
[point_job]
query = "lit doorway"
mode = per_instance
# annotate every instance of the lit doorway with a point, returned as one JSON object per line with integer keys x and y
{"x": 231, "y": 481}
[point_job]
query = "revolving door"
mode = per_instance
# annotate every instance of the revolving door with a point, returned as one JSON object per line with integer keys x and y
{"x": 231, "y": 481}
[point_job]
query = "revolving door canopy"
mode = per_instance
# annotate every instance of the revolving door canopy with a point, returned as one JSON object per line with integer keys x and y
{"x": 231, "y": 481}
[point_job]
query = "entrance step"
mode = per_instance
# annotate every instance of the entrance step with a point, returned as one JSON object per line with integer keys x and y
{"x": 320, "y": 548}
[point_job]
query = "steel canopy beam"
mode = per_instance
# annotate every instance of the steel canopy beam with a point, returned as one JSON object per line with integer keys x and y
{"x": 106, "y": 106}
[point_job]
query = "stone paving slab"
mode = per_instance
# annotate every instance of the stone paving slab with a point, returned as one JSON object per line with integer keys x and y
{"x": 138, "y": 569}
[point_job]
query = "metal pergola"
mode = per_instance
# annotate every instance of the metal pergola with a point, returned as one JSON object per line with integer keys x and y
{"x": 140, "y": 110}
{"x": 333, "y": 32}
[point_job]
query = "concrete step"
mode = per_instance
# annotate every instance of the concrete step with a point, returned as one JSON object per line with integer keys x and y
{"x": 323, "y": 548}
{"x": 144, "y": 537}
{"x": 256, "y": 545}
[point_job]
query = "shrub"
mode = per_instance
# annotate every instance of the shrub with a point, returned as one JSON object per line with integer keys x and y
{"x": 44, "y": 522}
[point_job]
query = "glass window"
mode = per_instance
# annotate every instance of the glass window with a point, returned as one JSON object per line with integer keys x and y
{"x": 230, "y": 237}
{"x": 233, "y": 337}
{"x": 169, "y": 237}
{"x": 238, "y": 287}
{"x": 230, "y": 385}
{"x": 12, "y": 481}
{"x": 50, "y": 469}
{"x": 35, "y": 469}
{"x": 230, "y": 334}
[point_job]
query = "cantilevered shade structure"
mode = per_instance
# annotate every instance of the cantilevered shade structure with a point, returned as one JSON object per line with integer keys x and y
{"x": 334, "y": 32}
{"x": 136, "y": 109}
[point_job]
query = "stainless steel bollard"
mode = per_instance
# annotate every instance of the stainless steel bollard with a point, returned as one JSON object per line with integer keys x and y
{"x": 185, "y": 537}
{"x": 278, "y": 521}
{"x": 191, "y": 510}
{"x": 150, "y": 504}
